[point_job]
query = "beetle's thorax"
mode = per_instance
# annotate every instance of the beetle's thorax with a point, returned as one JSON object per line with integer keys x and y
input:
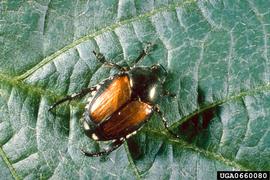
{"x": 145, "y": 84}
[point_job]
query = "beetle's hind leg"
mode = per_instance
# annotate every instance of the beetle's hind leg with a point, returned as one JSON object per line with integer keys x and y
{"x": 74, "y": 96}
{"x": 113, "y": 147}
{"x": 165, "y": 122}
{"x": 100, "y": 57}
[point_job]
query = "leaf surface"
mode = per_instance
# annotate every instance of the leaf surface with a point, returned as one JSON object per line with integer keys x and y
{"x": 217, "y": 55}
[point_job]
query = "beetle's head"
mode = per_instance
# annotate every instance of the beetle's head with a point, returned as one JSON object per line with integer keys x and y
{"x": 159, "y": 71}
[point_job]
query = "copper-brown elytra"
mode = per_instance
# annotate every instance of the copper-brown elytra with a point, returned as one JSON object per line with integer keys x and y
{"x": 120, "y": 105}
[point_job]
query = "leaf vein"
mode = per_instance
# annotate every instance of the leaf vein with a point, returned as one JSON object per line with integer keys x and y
{"x": 131, "y": 162}
{"x": 264, "y": 31}
{"x": 183, "y": 144}
{"x": 8, "y": 163}
{"x": 250, "y": 92}
{"x": 112, "y": 27}
{"x": 246, "y": 127}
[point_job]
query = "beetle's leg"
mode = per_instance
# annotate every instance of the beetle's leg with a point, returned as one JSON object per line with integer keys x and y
{"x": 156, "y": 108}
{"x": 100, "y": 57}
{"x": 113, "y": 147}
{"x": 74, "y": 96}
{"x": 146, "y": 51}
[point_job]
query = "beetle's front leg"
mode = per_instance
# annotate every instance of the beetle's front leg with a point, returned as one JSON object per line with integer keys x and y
{"x": 148, "y": 48}
{"x": 74, "y": 96}
{"x": 100, "y": 57}
{"x": 113, "y": 147}
{"x": 157, "y": 110}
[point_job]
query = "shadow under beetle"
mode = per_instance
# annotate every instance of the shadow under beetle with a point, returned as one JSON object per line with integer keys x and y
{"x": 122, "y": 104}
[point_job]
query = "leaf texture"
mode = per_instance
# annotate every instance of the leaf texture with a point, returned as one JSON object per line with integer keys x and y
{"x": 217, "y": 55}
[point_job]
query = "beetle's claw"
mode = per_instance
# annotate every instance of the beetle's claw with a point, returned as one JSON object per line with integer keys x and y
{"x": 99, "y": 56}
{"x": 172, "y": 95}
{"x": 82, "y": 151}
{"x": 148, "y": 47}
{"x": 51, "y": 108}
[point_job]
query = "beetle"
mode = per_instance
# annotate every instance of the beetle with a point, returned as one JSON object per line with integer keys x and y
{"x": 120, "y": 105}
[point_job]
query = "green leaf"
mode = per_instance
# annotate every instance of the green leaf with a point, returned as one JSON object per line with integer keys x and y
{"x": 217, "y": 55}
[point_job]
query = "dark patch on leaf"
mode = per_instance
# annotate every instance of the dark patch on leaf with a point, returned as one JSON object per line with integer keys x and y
{"x": 196, "y": 124}
{"x": 201, "y": 96}
{"x": 134, "y": 148}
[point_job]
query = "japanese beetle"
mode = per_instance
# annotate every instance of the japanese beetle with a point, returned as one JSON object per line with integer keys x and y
{"x": 122, "y": 104}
